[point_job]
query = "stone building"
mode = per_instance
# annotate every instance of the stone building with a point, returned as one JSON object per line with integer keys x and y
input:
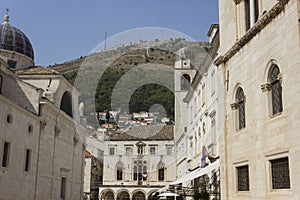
{"x": 259, "y": 57}
{"x": 41, "y": 146}
{"x": 198, "y": 143}
{"x": 93, "y": 168}
{"x": 138, "y": 162}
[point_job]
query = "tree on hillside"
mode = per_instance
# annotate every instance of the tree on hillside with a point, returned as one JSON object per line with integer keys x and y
{"x": 107, "y": 116}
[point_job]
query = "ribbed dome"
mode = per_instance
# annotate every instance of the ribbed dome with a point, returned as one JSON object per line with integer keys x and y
{"x": 12, "y": 39}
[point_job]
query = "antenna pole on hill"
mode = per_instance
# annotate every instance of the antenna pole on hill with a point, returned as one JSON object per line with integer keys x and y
{"x": 105, "y": 36}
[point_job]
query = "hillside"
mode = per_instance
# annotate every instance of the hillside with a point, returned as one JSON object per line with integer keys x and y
{"x": 100, "y": 73}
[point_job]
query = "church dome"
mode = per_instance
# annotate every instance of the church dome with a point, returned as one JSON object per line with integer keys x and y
{"x": 12, "y": 39}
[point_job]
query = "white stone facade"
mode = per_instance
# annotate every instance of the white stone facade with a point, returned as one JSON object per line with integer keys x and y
{"x": 250, "y": 152}
{"x": 201, "y": 117}
{"x": 41, "y": 141}
{"x": 127, "y": 153}
{"x": 93, "y": 168}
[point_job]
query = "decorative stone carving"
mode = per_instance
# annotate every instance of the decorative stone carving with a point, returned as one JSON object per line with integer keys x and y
{"x": 237, "y": 1}
{"x": 279, "y": 77}
{"x": 43, "y": 124}
{"x": 212, "y": 113}
{"x": 206, "y": 112}
{"x": 265, "y": 87}
{"x": 56, "y": 131}
{"x": 84, "y": 145}
{"x": 234, "y": 106}
{"x": 75, "y": 139}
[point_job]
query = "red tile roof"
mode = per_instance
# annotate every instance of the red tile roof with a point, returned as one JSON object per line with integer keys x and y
{"x": 150, "y": 132}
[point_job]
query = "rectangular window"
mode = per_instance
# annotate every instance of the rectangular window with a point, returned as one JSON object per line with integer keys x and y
{"x": 213, "y": 131}
{"x": 27, "y": 160}
{"x": 256, "y": 10}
{"x": 169, "y": 150}
{"x": 280, "y": 173}
{"x": 152, "y": 150}
{"x": 111, "y": 151}
{"x": 119, "y": 174}
{"x": 5, "y": 155}
{"x": 135, "y": 173}
{"x": 243, "y": 178}
{"x": 128, "y": 151}
{"x": 191, "y": 113}
{"x": 161, "y": 174}
{"x": 247, "y": 14}
{"x": 63, "y": 188}
{"x": 12, "y": 64}
{"x": 203, "y": 95}
{"x": 212, "y": 83}
{"x": 1, "y": 84}
{"x": 140, "y": 150}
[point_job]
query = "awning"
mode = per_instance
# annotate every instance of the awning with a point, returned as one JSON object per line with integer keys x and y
{"x": 197, "y": 173}
{"x": 192, "y": 175}
{"x": 168, "y": 194}
{"x": 163, "y": 189}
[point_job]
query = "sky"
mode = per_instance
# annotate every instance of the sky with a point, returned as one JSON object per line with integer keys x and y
{"x": 63, "y": 30}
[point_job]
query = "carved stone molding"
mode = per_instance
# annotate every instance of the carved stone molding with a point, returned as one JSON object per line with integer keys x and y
{"x": 265, "y": 87}
{"x": 43, "y": 124}
{"x": 234, "y": 106}
{"x": 84, "y": 145}
{"x": 206, "y": 113}
{"x": 56, "y": 131}
{"x": 212, "y": 114}
{"x": 253, "y": 31}
{"x": 280, "y": 77}
{"x": 75, "y": 139}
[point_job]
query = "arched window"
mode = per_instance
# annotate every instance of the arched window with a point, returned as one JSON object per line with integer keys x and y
{"x": 135, "y": 173}
{"x": 119, "y": 168}
{"x": 185, "y": 82}
{"x": 276, "y": 89}
{"x": 140, "y": 150}
{"x": 140, "y": 170}
{"x": 66, "y": 104}
{"x": 144, "y": 175}
{"x": 161, "y": 171}
{"x": 240, "y": 101}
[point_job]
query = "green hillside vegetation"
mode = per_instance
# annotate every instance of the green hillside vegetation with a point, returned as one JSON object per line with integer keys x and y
{"x": 126, "y": 65}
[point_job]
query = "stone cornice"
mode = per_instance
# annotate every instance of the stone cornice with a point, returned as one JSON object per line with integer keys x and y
{"x": 258, "y": 26}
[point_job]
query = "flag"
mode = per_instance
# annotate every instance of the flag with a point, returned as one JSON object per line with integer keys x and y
{"x": 144, "y": 176}
{"x": 203, "y": 156}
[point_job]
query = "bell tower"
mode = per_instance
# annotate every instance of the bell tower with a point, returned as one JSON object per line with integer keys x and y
{"x": 184, "y": 74}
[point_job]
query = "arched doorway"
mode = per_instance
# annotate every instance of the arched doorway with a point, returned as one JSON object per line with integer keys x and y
{"x": 139, "y": 195}
{"x": 123, "y": 195}
{"x": 108, "y": 195}
{"x": 153, "y": 195}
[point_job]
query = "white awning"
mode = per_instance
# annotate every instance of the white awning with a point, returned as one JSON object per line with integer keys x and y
{"x": 163, "y": 189}
{"x": 168, "y": 194}
{"x": 197, "y": 173}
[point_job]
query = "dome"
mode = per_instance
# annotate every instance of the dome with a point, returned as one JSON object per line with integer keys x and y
{"x": 12, "y": 39}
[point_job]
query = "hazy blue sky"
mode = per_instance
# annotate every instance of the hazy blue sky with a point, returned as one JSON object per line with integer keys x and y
{"x": 62, "y": 30}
